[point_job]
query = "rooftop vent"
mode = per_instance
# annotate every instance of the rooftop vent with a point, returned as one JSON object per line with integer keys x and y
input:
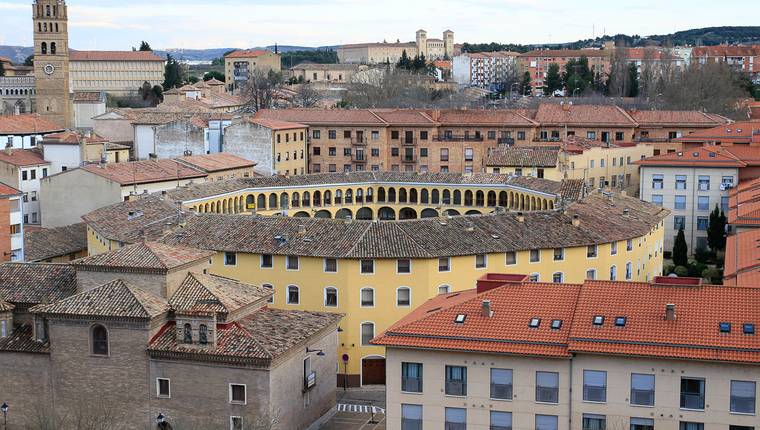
{"x": 487, "y": 311}
{"x": 134, "y": 214}
{"x": 576, "y": 220}
{"x": 626, "y": 212}
{"x": 670, "y": 312}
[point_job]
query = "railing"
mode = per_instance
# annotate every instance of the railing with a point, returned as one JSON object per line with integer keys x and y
{"x": 642, "y": 397}
{"x": 506, "y": 141}
{"x": 692, "y": 401}
{"x": 743, "y": 405}
{"x": 547, "y": 395}
{"x": 501, "y": 391}
{"x": 410, "y": 424}
{"x": 360, "y": 141}
{"x": 455, "y": 426}
{"x": 411, "y": 385}
{"x": 409, "y": 159}
{"x": 594, "y": 394}
{"x": 456, "y": 388}
{"x": 457, "y": 138}
{"x": 412, "y": 141}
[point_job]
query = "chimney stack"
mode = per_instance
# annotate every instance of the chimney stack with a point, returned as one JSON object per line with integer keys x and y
{"x": 576, "y": 220}
{"x": 520, "y": 217}
{"x": 670, "y": 312}
{"x": 487, "y": 312}
{"x": 301, "y": 229}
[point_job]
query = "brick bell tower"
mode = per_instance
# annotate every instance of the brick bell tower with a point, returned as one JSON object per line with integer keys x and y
{"x": 51, "y": 60}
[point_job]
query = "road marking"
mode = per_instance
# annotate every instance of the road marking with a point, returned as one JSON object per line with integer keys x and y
{"x": 360, "y": 409}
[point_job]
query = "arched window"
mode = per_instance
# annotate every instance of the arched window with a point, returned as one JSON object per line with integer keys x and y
{"x": 391, "y": 195}
{"x": 457, "y": 197}
{"x": 468, "y": 198}
{"x": 424, "y": 196}
{"x": 203, "y": 334}
{"x": 369, "y": 195}
{"x": 43, "y": 47}
{"x": 413, "y": 195}
{"x": 47, "y": 10}
{"x": 283, "y": 200}
{"x": 317, "y": 198}
{"x": 381, "y": 194}
{"x": 338, "y": 197}
{"x": 444, "y": 289}
{"x": 99, "y": 340}
{"x": 56, "y": 27}
{"x": 349, "y": 196}
{"x": 328, "y": 197}
{"x": 435, "y": 197}
{"x": 306, "y": 199}
{"x": 446, "y": 197}
{"x": 44, "y": 27}
{"x": 403, "y": 296}
{"x": 367, "y": 296}
{"x": 270, "y": 289}
{"x": 187, "y": 334}
{"x": 402, "y": 195}
{"x": 296, "y": 200}
{"x": 273, "y": 201}
{"x": 359, "y": 195}
{"x": 52, "y": 48}
{"x": 249, "y": 202}
{"x": 491, "y": 198}
{"x": 613, "y": 273}
{"x": 39, "y": 27}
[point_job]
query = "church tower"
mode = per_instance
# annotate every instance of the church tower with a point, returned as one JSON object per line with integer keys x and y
{"x": 448, "y": 44}
{"x": 51, "y": 60}
{"x": 422, "y": 48}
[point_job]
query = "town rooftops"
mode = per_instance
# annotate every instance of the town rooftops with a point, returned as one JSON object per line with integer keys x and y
{"x": 567, "y": 53}
{"x": 314, "y": 116}
{"x": 73, "y": 138}
{"x": 8, "y": 191}
{"x": 740, "y": 132}
{"x": 707, "y": 322}
{"x": 22, "y": 157}
{"x": 143, "y": 172}
{"x": 702, "y": 157}
{"x": 726, "y": 51}
{"x": 551, "y": 114}
{"x": 89, "y": 97}
{"x": 43, "y": 243}
{"x": 276, "y": 124}
{"x": 115, "y": 299}
{"x": 248, "y": 53}
{"x": 114, "y": 56}
{"x": 325, "y": 67}
{"x": 218, "y": 162}
{"x": 142, "y": 256}
{"x": 214, "y": 294}
{"x": 522, "y": 157}
{"x": 742, "y": 260}
{"x": 676, "y": 118}
{"x": 33, "y": 283}
{"x": 26, "y": 124}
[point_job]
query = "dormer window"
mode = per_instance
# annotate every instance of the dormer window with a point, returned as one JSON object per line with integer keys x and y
{"x": 598, "y": 320}
{"x": 460, "y": 318}
{"x": 556, "y": 324}
{"x": 534, "y": 322}
{"x": 203, "y": 334}
{"x": 187, "y": 336}
{"x": 620, "y": 321}
{"x": 749, "y": 328}
{"x": 724, "y": 327}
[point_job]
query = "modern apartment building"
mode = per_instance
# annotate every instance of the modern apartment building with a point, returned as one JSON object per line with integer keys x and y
{"x": 596, "y": 355}
{"x": 743, "y": 58}
{"x": 690, "y": 184}
{"x": 488, "y": 70}
{"x": 11, "y": 224}
{"x": 24, "y": 169}
{"x": 537, "y": 62}
{"x": 240, "y": 65}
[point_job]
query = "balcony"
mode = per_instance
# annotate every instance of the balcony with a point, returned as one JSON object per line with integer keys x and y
{"x": 457, "y": 138}
{"x": 358, "y": 158}
{"x": 359, "y": 141}
{"x": 692, "y": 401}
{"x": 409, "y": 158}
{"x": 506, "y": 141}
{"x": 411, "y": 385}
{"x": 412, "y": 141}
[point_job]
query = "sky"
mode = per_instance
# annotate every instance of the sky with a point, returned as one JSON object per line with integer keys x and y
{"x": 111, "y": 25}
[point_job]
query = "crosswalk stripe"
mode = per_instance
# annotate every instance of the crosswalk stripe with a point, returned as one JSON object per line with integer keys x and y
{"x": 360, "y": 409}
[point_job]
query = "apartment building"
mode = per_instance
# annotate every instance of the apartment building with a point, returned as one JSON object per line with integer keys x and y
{"x": 24, "y": 169}
{"x": 537, "y": 62}
{"x": 743, "y": 58}
{"x": 23, "y": 131}
{"x": 12, "y": 226}
{"x": 690, "y": 184}
{"x": 120, "y": 73}
{"x": 549, "y": 356}
{"x": 241, "y": 64}
{"x": 278, "y": 147}
{"x": 485, "y": 69}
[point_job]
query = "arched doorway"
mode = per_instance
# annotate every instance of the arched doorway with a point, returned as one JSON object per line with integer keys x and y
{"x": 301, "y": 214}
{"x": 364, "y": 213}
{"x": 386, "y": 214}
{"x": 407, "y": 213}
{"x": 343, "y": 214}
{"x": 323, "y": 214}
{"x": 473, "y": 212}
{"x": 429, "y": 213}
{"x": 451, "y": 212}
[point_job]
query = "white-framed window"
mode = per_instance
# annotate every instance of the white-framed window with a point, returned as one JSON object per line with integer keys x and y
{"x": 270, "y": 287}
{"x": 535, "y": 255}
{"x": 613, "y": 273}
{"x": 367, "y": 267}
{"x": 331, "y": 265}
{"x": 404, "y": 265}
{"x": 331, "y": 297}
{"x": 267, "y": 261}
{"x": 629, "y": 245}
{"x": 293, "y": 295}
{"x": 236, "y": 423}
{"x": 230, "y": 259}
{"x": 534, "y": 277}
{"x": 291, "y": 262}
{"x": 558, "y": 277}
{"x": 163, "y": 388}
{"x": 628, "y": 271}
{"x": 444, "y": 264}
{"x": 403, "y": 296}
{"x": 592, "y": 251}
{"x": 481, "y": 261}
{"x": 559, "y": 254}
{"x": 510, "y": 258}
{"x": 367, "y": 297}
{"x": 238, "y": 394}
{"x": 367, "y": 332}
{"x": 444, "y": 289}
{"x": 591, "y": 274}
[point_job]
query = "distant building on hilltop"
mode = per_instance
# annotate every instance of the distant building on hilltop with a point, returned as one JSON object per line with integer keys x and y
{"x": 374, "y": 53}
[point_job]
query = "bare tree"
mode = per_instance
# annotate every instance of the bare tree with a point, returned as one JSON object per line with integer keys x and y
{"x": 399, "y": 89}
{"x": 306, "y": 96}
{"x": 711, "y": 87}
{"x": 260, "y": 90}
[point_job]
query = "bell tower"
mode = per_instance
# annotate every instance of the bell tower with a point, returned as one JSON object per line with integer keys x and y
{"x": 51, "y": 60}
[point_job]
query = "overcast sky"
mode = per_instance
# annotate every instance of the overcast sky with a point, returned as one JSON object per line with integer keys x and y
{"x": 108, "y": 24}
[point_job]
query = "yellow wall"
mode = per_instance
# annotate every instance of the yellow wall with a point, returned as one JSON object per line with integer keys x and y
{"x": 290, "y": 146}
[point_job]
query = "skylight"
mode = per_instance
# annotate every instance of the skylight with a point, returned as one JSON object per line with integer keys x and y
{"x": 749, "y": 328}
{"x": 620, "y": 321}
{"x": 534, "y": 322}
{"x": 598, "y": 320}
{"x": 725, "y": 327}
{"x": 460, "y": 318}
{"x": 556, "y": 324}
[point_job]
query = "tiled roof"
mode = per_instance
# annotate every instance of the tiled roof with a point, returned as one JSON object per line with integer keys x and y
{"x": 28, "y": 123}
{"x": 322, "y": 116}
{"x": 22, "y": 157}
{"x": 115, "y": 299}
{"x": 72, "y": 138}
{"x": 276, "y": 124}
{"x": 144, "y": 256}
{"x": 135, "y": 220}
{"x": 601, "y": 222}
{"x": 22, "y": 339}
{"x": 260, "y": 337}
{"x": 702, "y": 157}
{"x": 488, "y": 117}
{"x": 520, "y": 157}
{"x": 215, "y": 294}
{"x": 89, "y": 97}
{"x": 144, "y": 172}
{"x": 550, "y": 114}
{"x": 726, "y": 51}
{"x": 735, "y": 132}
{"x": 567, "y": 53}
{"x": 325, "y": 67}
{"x": 693, "y": 335}
{"x": 216, "y": 162}
{"x": 746, "y": 154}
{"x": 114, "y": 56}
{"x": 5, "y": 306}
{"x": 742, "y": 258}
{"x": 248, "y": 53}
{"x": 676, "y": 118}
{"x": 41, "y": 244}
{"x": 36, "y": 282}
{"x": 401, "y": 117}
{"x": 8, "y": 191}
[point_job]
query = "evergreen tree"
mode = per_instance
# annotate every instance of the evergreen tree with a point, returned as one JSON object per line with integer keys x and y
{"x": 553, "y": 81}
{"x": 632, "y": 89}
{"x": 403, "y": 62}
{"x": 525, "y": 84}
{"x": 29, "y": 61}
{"x": 716, "y": 238}
{"x": 144, "y": 46}
{"x": 599, "y": 85}
{"x": 2, "y": 69}
{"x": 680, "y": 250}
{"x": 172, "y": 73}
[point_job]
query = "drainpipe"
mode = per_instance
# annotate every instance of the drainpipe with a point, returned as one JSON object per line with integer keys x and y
{"x": 570, "y": 397}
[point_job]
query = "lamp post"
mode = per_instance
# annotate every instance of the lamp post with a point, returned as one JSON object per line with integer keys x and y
{"x": 4, "y": 408}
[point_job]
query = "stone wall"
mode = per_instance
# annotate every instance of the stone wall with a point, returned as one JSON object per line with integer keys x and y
{"x": 252, "y": 142}
{"x": 178, "y": 138}
{"x": 25, "y": 383}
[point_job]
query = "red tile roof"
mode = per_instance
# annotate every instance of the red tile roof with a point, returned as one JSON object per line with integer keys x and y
{"x": 276, "y": 124}
{"x": 114, "y": 56}
{"x": 703, "y": 157}
{"x": 216, "y": 162}
{"x": 567, "y": 53}
{"x": 143, "y": 172}
{"x": 29, "y": 123}
{"x": 550, "y": 114}
{"x": 8, "y": 191}
{"x": 742, "y": 260}
{"x": 693, "y": 335}
{"x": 726, "y": 51}
{"x": 736, "y": 132}
{"x": 22, "y": 157}
{"x": 248, "y": 53}
{"x": 144, "y": 256}
{"x": 680, "y": 118}
{"x": 72, "y": 138}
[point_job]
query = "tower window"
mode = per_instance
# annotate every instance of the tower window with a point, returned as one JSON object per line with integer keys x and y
{"x": 43, "y": 47}
{"x": 47, "y": 10}
{"x": 52, "y": 47}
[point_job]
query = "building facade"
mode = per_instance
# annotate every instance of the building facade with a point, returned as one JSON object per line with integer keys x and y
{"x": 12, "y": 234}
{"x": 512, "y": 354}
{"x": 384, "y": 52}
{"x": 488, "y": 70}
{"x": 240, "y": 65}
{"x": 17, "y": 95}
{"x": 51, "y": 61}
{"x": 119, "y": 73}
{"x": 24, "y": 170}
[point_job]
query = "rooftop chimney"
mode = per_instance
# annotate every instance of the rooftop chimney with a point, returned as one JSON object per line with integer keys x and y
{"x": 670, "y": 312}
{"x": 576, "y": 220}
{"x": 487, "y": 312}
{"x": 301, "y": 229}
{"x": 520, "y": 217}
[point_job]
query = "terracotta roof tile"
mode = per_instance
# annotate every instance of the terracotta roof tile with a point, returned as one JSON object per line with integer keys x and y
{"x": 144, "y": 256}
{"x": 520, "y": 157}
{"x": 567, "y": 53}
{"x": 143, "y": 172}
{"x": 72, "y": 138}
{"x": 691, "y": 118}
{"x": 216, "y": 162}
{"x": 550, "y": 114}
{"x": 36, "y": 282}
{"x": 8, "y": 191}
{"x": 222, "y": 296}
{"x": 115, "y": 299}
{"x": 702, "y": 156}
{"x": 44, "y": 243}
{"x": 248, "y": 53}
{"x": 22, "y": 339}
{"x": 22, "y": 157}
{"x": 276, "y": 124}
{"x": 114, "y": 56}
{"x": 30, "y": 123}
{"x": 735, "y": 132}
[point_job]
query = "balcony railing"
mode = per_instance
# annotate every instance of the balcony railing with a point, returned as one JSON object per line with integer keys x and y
{"x": 409, "y": 159}
{"x": 501, "y": 391}
{"x": 594, "y": 394}
{"x": 456, "y": 388}
{"x": 547, "y": 395}
{"x": 642, "y": 397}
{"x": 506, "y": 141}
{"x": 411, "y": 385}
{"x": 457, "y": 138}
{"x": 692, "y": 401}
{"x": 359, "y": 141}
{"x": 412, "y": 141}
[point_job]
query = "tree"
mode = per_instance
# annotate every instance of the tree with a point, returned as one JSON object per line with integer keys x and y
{"x": 404, "y": 62}
{"x": 172, "y": 73}
{"x": 553, "y": 81}
{"x": 680, "y": 250}
{"x": 193, "y": 79}
{"x": 632, "y": 89}
{"x": 577, "y": 76}
{"x": 525, "y": 87}
{"x": 306, "y": 96}
{"x": 2, "y": 69}
{"x": 716, "y": 238}
{"x": 144, "y": 46}
{"x": 213, "y": 74}
{"x": 29, "y": 61}
{"x": 260, "y": 89}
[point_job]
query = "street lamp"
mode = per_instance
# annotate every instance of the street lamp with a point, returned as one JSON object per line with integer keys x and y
{"x": 4, "y": 408}
{"x": 161, "y": 421}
